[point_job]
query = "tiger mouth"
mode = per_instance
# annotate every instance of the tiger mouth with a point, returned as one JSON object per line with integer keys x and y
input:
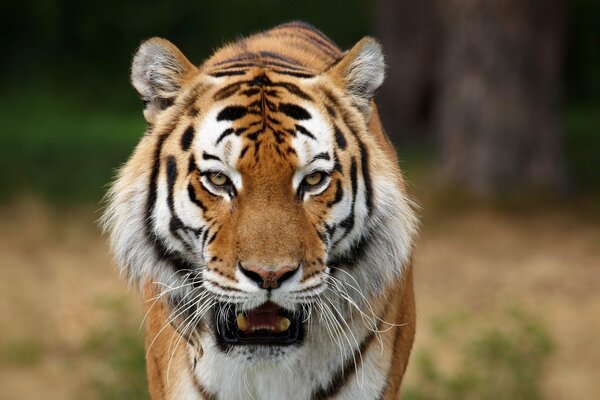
{"x": 267, "y": 325}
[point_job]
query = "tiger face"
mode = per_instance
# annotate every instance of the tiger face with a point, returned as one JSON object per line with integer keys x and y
{"x": 257, "y": 182}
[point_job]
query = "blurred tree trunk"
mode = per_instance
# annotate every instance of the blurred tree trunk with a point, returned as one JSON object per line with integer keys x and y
{"x": 498, "y": 112}
{"x": 410, "y": 33}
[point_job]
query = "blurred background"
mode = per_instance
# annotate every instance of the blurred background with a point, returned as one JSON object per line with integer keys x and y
{"x": 494, "y": 107}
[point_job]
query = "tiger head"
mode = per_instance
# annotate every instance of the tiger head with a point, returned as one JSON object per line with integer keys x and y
{"x": 259, "y": 186}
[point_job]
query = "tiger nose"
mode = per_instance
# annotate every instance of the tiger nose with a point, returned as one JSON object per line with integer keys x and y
{"x": 268, "y": 278}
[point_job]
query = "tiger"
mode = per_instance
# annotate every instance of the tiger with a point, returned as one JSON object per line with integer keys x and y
{"x": 266, "y": 222}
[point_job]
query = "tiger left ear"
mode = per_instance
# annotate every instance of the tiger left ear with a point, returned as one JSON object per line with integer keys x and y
{"x": 360, "y": 72}
{"x": 158, "y": 72}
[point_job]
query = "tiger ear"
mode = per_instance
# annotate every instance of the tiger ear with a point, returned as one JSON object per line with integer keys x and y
{"x": 360, "y": 72}
{"x": 158, "y": 72}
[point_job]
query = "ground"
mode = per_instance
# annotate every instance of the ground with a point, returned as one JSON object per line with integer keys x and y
{"x": 61, "y": 298}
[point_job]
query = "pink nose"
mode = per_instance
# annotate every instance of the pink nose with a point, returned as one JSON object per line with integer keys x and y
{"x": 268, "y": 278}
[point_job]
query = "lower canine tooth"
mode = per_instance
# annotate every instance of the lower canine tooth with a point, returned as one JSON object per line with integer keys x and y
{"x": 242, "y": 322}
{"x": 283, "y": 324}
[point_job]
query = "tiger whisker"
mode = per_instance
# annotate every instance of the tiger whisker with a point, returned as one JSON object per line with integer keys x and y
{"x": 168, "y": 322}
{"x": 195, "y": 318}
{"x": 341, "y": 317}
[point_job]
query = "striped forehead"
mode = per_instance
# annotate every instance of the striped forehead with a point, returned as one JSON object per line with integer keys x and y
{"x": 229, "y": 129}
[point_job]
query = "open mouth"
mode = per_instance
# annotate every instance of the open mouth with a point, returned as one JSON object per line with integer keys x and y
{"x": 268, "y": 325}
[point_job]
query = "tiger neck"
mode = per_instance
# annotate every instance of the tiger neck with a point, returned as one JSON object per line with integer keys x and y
{"x": 326, "y": 367}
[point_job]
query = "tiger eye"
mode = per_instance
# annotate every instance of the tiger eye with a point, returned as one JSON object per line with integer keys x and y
{"x": 217, "y": 178}
{"x": 314, "y": 179}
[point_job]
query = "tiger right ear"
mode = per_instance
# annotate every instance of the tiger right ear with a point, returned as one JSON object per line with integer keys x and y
{"x": 158, "y": 72}
{"x": 360, "y": 71}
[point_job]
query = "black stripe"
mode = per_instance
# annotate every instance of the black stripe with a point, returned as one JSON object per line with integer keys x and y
{"x": 235, "y": 65}
{"x": 270, "y": 105}
{"x": 225, "y": 133}
{"x": 345, "y": 373}
{"x": 240, "y": 57}
{"x": 250, "y": 92}
{"x": 339, "y": 193}
{"x": 260, "y": 80}
{"x": 187, "y": 138}
{"x": 207, "y": 156}
{"x": 330, "y": 111}
{"x": 204, "y": 237}
{"x": 194, "y": 111}
{"x": 164, "y": 103}
{"x": 213, "y": 237}
{"x": 336, "y": 163}
{"x": 192, "y": 164}
{"x": 228, "y": 73}
{"x": 171, "y": 180}
{"x": 322, "y": 156}
{"x": 274, "y": 121}
{"x": 353, "y": 180}
{"x": 340, "y": 140}
{"x": 286, "y": 67}
{"x": 232, "y": 113}
{"x": 330, "y": 231}
{"x": 161, "y": 250}
{"x": 175, "y": 224}
{"x": 244, "y": 150}
{"x": 194, "y": 198}
{"x": 348, "y": 222}
{"x": 304, "y": 131}
{"x": 227, "y": 91}
{"x": 331, "y": 97}
{"x": 364, "y": 163}
{"x": 352, "y": 257}
{"x": 294, "y": 89}
{"x": 293, "y": 73}
{"x": 254, "y": 135}
{"x": 279, "y": 57}
{"x": 294, "y": 111}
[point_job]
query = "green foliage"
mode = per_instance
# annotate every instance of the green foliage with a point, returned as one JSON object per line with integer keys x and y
{"x": 582, "y": 61}
{"x": 499, "y": 362}
{"x": 94, "y": 40}
{"x": 60, "y": 144}
{"x": 119, "y": 358}
{"x": 582, "y": 141}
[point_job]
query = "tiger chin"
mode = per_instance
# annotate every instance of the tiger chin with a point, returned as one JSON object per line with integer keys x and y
{"x": 265, "y": 220}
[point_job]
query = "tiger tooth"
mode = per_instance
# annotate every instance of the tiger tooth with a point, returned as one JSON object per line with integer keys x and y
{"x": 242, "y": 322}
{"x": 283, "y": 324}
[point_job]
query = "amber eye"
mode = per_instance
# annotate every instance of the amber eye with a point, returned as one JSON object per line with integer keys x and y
{"x": 314, "y": 179}
{"x": 218, "y": 179}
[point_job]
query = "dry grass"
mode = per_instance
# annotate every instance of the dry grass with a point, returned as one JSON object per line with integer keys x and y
{"x": 56, "y": 281}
